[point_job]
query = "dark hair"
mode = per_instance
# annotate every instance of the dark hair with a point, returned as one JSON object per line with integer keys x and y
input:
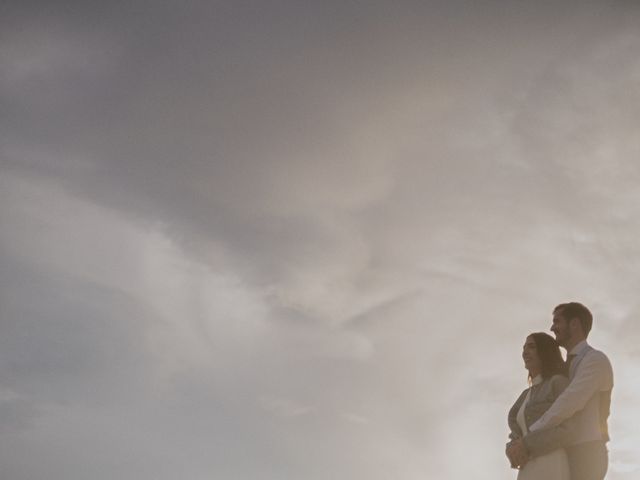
{"x": 576, "y": 310}
{"x": 551, "y": 362}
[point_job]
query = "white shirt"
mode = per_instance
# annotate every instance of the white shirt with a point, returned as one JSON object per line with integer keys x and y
{"x": 590, "y": 374}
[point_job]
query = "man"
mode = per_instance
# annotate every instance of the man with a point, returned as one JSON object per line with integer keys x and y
{"x": 586, "y": 401}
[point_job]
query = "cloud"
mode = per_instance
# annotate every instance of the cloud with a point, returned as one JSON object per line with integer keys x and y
{"x": 284, "y": 407}
{"x": 304, "y": 241}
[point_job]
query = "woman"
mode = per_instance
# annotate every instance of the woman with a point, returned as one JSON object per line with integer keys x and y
{"x": 548, "y": 378}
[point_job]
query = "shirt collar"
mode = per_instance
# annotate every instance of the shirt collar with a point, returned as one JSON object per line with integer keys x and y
{"x": 537, "y": 379}
{"x": 578, "y": 349}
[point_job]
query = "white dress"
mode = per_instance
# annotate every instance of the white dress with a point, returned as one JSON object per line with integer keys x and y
{"x": 552, "y": 466}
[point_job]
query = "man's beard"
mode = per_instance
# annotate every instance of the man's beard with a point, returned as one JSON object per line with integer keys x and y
{"x": 562, "y": 340}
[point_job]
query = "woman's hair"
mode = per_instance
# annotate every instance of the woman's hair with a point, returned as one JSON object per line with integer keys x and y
{"x": 551, "y": 362}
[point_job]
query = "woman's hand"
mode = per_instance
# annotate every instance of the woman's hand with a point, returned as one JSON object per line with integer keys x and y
{"x": 517, "y": 453}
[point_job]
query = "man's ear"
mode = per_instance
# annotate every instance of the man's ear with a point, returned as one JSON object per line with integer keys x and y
{"x": 574, "y": 323}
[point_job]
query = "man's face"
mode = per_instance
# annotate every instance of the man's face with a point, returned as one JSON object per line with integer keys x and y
{"x": 560, "y": 328}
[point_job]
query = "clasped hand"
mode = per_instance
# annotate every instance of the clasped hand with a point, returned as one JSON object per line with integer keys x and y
{"x": 517, "y": 453}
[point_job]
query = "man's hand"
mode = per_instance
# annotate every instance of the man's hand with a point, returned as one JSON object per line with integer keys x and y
{"x": 517, "y": 453}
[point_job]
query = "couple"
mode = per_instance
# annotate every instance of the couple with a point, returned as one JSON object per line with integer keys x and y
{"x": 559, "y": 424}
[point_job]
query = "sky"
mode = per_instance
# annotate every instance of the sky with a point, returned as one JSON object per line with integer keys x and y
{"x": 284, "y": 240}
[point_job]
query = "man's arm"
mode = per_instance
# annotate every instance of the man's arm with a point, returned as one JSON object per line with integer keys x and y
{"x": 594, "y": 374}
{"x": 547, "y": 440}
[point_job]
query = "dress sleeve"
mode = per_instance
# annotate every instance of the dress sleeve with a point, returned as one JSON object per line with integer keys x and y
{"x": 515, "y": 431}
{"x": 543, "y": 441}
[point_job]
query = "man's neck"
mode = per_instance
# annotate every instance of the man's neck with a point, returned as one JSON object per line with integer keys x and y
{"x": 571, "y": 343}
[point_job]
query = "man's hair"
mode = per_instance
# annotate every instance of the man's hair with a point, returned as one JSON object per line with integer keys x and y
{"x": 551, "y": 362}
{"x": 576, "y": 310}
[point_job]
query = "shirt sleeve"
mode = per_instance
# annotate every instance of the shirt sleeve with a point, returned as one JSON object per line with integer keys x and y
{"x": 594, "y": 374}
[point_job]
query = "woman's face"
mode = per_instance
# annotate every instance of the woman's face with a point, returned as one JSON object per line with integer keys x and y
{"x": 530, "y": 355}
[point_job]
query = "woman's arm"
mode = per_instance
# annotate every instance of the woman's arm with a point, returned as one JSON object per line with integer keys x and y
{"x": 515, "y": 430}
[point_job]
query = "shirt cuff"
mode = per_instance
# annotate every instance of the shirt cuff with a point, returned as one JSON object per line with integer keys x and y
{"x": 535, "y": 426}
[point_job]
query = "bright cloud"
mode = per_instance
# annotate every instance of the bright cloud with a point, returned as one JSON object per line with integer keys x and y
{"x": 306, "y": 241}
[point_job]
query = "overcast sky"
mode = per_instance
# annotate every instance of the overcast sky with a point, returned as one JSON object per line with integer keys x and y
{"x": 291, "y": 240}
